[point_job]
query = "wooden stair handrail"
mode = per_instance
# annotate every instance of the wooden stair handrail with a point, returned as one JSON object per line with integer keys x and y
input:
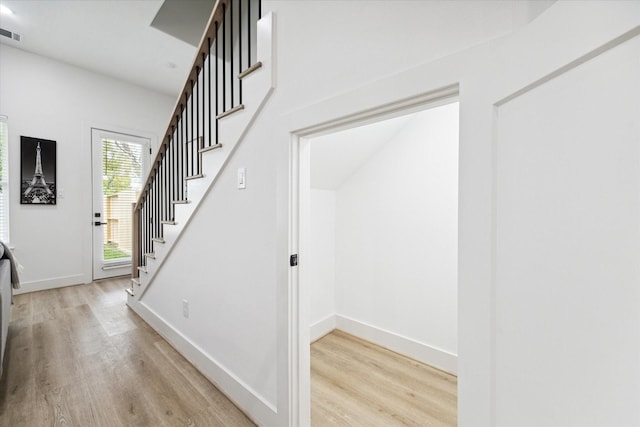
{"x": 198, "y": 64}
{"x": 209, "y": 36}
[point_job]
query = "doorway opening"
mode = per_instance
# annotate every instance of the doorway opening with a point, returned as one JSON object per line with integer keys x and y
{"x": 378, "y": 247}
{"x": 120, "y": 164}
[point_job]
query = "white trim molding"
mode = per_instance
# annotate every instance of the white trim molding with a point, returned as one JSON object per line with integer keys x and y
{"x": 421, "y": 352}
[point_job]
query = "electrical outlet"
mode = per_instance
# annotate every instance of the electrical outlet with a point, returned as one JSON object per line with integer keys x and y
{"x": 185, "y": 308}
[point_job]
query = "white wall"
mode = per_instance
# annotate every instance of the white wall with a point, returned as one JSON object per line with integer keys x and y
{"x": 372, "y": 40}
{"x": 386, "y": 250}
{"x": 223, "y": 265}
{"x": 567, "y": 292}
{"x": 396, "y": 234}
{"x": 493, "y": 355}
{"x": 340, "y": 59}
{"x": 232, "y": 262}
{"x": 51, "y": 100}
{"x": 321, "y": 260}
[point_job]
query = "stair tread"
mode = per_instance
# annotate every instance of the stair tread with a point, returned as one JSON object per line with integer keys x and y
{"x": 210, "y": 148}
{"x": 229, "y": 112}
{"x": 168, "y": 222}
{"x": 129, "y": 291}
{"x": 159, "y": 240}
{"x": 150, "y": 255}
{"x": 200, "y": 175}
{"x": 250, "y": 70}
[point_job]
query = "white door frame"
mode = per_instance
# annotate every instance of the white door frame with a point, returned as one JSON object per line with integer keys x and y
{"x": 104, "y": 270}
{"x": 300, "y": 179}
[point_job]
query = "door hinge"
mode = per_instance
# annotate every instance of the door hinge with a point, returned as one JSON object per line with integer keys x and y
{"x": 293, "y": 260}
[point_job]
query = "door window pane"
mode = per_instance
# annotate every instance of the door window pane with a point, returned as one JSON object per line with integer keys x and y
{"x": 121, "y": 183}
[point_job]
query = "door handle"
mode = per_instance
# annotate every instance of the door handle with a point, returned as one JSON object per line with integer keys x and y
{"x": 98, "y": 223}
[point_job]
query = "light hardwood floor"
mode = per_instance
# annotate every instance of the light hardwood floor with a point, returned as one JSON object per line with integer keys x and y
{"x": 357, "y": 383}
{"x": 77, "y": 356}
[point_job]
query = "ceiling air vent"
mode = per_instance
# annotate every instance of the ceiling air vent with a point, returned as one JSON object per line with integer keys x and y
{"x": 9, "y": 34}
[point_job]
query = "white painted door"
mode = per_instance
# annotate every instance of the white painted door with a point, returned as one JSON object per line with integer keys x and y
{"x": 120, "y": 165}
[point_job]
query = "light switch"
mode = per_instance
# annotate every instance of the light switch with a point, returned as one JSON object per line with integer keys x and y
{"x": 185, "y": 308}
{"x": 242, "y": 178}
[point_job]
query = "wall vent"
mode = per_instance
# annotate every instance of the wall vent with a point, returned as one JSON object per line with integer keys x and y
{"x": 9, "y": 34}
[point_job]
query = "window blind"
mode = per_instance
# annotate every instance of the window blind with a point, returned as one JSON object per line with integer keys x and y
{"x": 4, "y": 180}
{"x": 122, "y": 181}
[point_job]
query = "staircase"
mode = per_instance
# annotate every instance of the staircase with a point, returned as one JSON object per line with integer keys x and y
{"x": 229, "y": 82}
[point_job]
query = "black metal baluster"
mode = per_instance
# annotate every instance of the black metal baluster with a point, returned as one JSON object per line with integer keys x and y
{"x": 198, "y": 133}
{"x": 152, "y": 197}
{"x": 224, "y": 59}
{"x": 240, "y": 49}
{"x": 231, "y": 85}
{"x": 165, "y": 166}
{"x": 139, "y": 236}
{"x": 174, "y": 165}
{"x": 150, "y": 225}
{"x": 143, "y": 220}
{"x": 171, "y": 171}
{"x": 163, "y": 191}
{"x": 179, "y": 155}
{"x": 248, "y": 33}
{"x": 156, "y": 207}
{"x": 174, "y": 172}
{"x": 165, "y": 212}
{"x": 146, "y": 230}
{"x": 143, "y": 230}
{"x": 156, "y": 219}
{"x": 209, "y": 84}
{"x": 152, "y": 216}
{"x": 217, "y": 100}
{"x": 192, "y": 139}
{"x": 183, "y": 153}
{"x": 143, "y": 214}
{"x": 167, "y": 181}
{"x": 146, "y": 234}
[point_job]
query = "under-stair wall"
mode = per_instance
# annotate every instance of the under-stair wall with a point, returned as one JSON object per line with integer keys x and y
{"x": 216, "y": 348}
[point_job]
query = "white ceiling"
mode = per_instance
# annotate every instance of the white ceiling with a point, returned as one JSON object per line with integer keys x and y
{"x": 104, "y": 36}
{"x": 337, "y": 156}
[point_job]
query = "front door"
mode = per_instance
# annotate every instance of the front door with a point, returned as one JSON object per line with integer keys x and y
{"x": 120, "y": 165}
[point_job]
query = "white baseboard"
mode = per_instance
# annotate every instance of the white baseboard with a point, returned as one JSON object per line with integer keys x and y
{"x": 424, "y": 353}
{"x": 43, "y": 285}
{"x": 322, "y": 327}
{"x": 254, "y": 406}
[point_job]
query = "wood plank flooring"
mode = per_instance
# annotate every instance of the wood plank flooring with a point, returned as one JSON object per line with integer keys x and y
{"x": 77, "y": 356}
{"x": 356, "y": 383}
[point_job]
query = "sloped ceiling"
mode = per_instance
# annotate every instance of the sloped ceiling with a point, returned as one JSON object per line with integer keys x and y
{"x": 337, "y": 156}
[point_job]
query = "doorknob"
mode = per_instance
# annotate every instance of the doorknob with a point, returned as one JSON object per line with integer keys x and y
{"x": 98, "y": 223}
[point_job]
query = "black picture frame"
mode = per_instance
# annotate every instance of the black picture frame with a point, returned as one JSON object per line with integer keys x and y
{"x": 37, "y": 171}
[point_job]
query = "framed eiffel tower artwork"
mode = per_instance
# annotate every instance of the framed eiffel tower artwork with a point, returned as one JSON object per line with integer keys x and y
{"x": 37, "y": 171}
